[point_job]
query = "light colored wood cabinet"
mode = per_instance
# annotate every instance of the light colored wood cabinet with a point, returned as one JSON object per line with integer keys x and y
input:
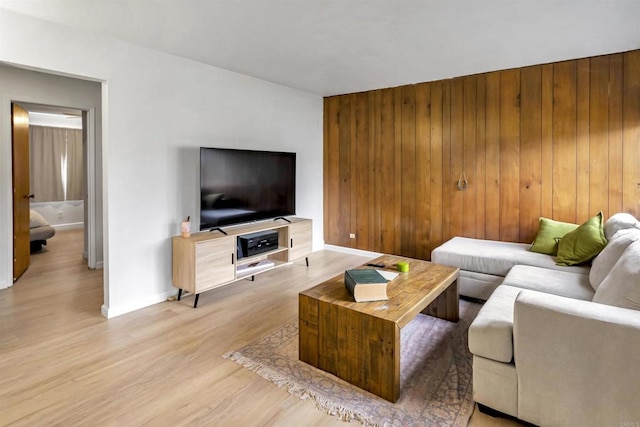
{"x": 206, "y": 260}
{"x": 300, "y": 239}
{"x": 215, "y": 263}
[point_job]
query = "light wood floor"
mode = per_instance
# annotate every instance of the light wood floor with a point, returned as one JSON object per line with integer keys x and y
{"x": 62, "y": 363}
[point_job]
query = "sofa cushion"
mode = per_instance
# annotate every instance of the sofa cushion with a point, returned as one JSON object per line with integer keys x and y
{"x": 563, "y": 283}
{"x": 493, "y": 257}
{"x": 582, "y": 244}
{"x": 549, "y": 233}
{"x": 604, "y": 262}
{"x": 491, "y": 332}
{"x": 621, "y": 287}
{"x": 619, "y": 221}
{"x": 478, "y": 285}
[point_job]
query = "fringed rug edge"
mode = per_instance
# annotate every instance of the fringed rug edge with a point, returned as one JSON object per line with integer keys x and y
{"x": 298, "y": 390}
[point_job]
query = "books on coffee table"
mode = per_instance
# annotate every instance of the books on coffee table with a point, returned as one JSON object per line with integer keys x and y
{"x": 366, "y": 285}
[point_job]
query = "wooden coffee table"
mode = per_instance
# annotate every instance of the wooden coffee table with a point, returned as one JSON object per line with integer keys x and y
{"x": 360, "y": 342}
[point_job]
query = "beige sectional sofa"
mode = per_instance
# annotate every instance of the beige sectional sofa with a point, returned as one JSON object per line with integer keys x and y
{"x": 484, "y": 264}
{"x": 556, "y": 346}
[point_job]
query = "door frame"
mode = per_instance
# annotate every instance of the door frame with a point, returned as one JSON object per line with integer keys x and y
{"x": 90, "y": 206}
{"x": 90, "y": 226}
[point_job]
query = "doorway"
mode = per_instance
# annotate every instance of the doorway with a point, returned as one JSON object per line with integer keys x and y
{"x": 60, "y": 175}
{"x": 23, "y": 86}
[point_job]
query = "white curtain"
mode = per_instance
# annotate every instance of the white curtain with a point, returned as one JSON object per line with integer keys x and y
{"x": 75, "y": 178}
{"x": 56, "y": 164}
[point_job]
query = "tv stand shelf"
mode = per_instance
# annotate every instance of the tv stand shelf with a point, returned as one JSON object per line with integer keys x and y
{"x": 208, "y": 260}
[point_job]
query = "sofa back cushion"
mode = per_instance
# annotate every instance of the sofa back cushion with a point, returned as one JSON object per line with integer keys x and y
{"x": 619, "y": 221}
{"x": 604, "y": 262}
{"x": 621, "y": 287}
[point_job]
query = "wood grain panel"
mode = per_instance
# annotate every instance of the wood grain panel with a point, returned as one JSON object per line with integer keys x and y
{"x": 364, "y": 171}
{"x": 353, "y": 172}
{"x": 509, "y": 155}
{"x": 374, "y": 122}
{"x": 582, "y": 141}
{"x": 469, "y": 157}
{"x": 447, "y": 183}
{"x": 530, "y": 152}
{"x": 423, "y": 171}
{"x": 615, "y": 133}
{"x": 564, "y": 141}
{"x": 599, "y": 136}
{"x": 546, "y": 145}
{"x": 437, "y": 162}
{"x": 631, "y": 132}
{"x": 481, "y": 157}
{"x": 397, "y": 181}
{"x": 345, "y": 166}
{"x": 456, "y": 143}
{"x": 492, "y": 147}
{"x": 387, "y": 171}
{"x": 408, "y": 172}
{"x": 556, "y": 140}
{"x": 374, "y": 143}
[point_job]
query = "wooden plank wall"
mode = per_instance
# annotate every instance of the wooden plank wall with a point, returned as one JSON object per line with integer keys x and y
{"x": 558, "y": 140}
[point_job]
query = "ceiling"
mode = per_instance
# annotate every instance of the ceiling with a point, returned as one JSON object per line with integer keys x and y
{"x": 329, "y": 47}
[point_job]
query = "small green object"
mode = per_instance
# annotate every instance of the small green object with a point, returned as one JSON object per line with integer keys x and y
{"x": 402, "y": 266}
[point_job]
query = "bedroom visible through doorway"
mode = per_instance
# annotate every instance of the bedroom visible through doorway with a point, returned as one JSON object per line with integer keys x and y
{"x": 57, "y": 174}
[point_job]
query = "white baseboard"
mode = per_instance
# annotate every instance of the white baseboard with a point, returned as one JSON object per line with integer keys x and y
{"x": 352, "y": 251}
{"x": 6, "y": 284}
{"x": 99, "y": 265}
{"x": 111, "y": 312}
{"x": 70, "y": 226}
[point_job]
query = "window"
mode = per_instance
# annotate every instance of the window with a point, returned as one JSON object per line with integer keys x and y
{"x": 56, "y": 164}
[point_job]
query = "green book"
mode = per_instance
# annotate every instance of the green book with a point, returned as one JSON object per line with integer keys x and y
{"x": 366, "y": 285}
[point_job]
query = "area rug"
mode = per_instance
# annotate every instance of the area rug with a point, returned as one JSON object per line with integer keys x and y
{"x": 435, "y": 374}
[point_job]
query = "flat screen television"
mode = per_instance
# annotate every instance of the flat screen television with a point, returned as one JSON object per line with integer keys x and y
{"x": 238, "y": 186}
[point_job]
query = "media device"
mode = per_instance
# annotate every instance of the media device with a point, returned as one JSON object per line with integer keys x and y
{"x": 238, "y": 186}
{"x": 257, "y": 243}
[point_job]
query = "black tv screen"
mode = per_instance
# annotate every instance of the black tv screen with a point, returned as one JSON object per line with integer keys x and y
{"x": 239, "y": 186}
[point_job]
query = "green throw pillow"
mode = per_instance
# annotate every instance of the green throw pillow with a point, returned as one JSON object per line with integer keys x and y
{"x": 582, "y": 244}
{"x": 549, "y": 233}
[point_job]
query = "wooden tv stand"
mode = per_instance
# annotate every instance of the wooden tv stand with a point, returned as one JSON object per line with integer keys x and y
{"x": 208, "y": 259}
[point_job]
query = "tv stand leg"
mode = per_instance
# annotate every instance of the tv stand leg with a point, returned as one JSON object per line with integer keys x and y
{"x": 281, "y": 217}
{"x": 218, "y": 229}
{"x": 195, "y": 303}
{"x": 179, "y": 293}
{"x": 253, "y": 278}
{"x": 307, "y": 259}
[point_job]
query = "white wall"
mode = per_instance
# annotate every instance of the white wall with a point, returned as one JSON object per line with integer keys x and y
{"x": 61, "y": 215}
{"x": 158, "y": 109}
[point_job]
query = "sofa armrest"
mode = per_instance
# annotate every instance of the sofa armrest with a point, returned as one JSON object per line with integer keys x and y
{"x": 578, "y": 362}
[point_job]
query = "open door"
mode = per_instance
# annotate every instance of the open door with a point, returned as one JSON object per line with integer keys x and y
{"x": 21, "y": 193}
